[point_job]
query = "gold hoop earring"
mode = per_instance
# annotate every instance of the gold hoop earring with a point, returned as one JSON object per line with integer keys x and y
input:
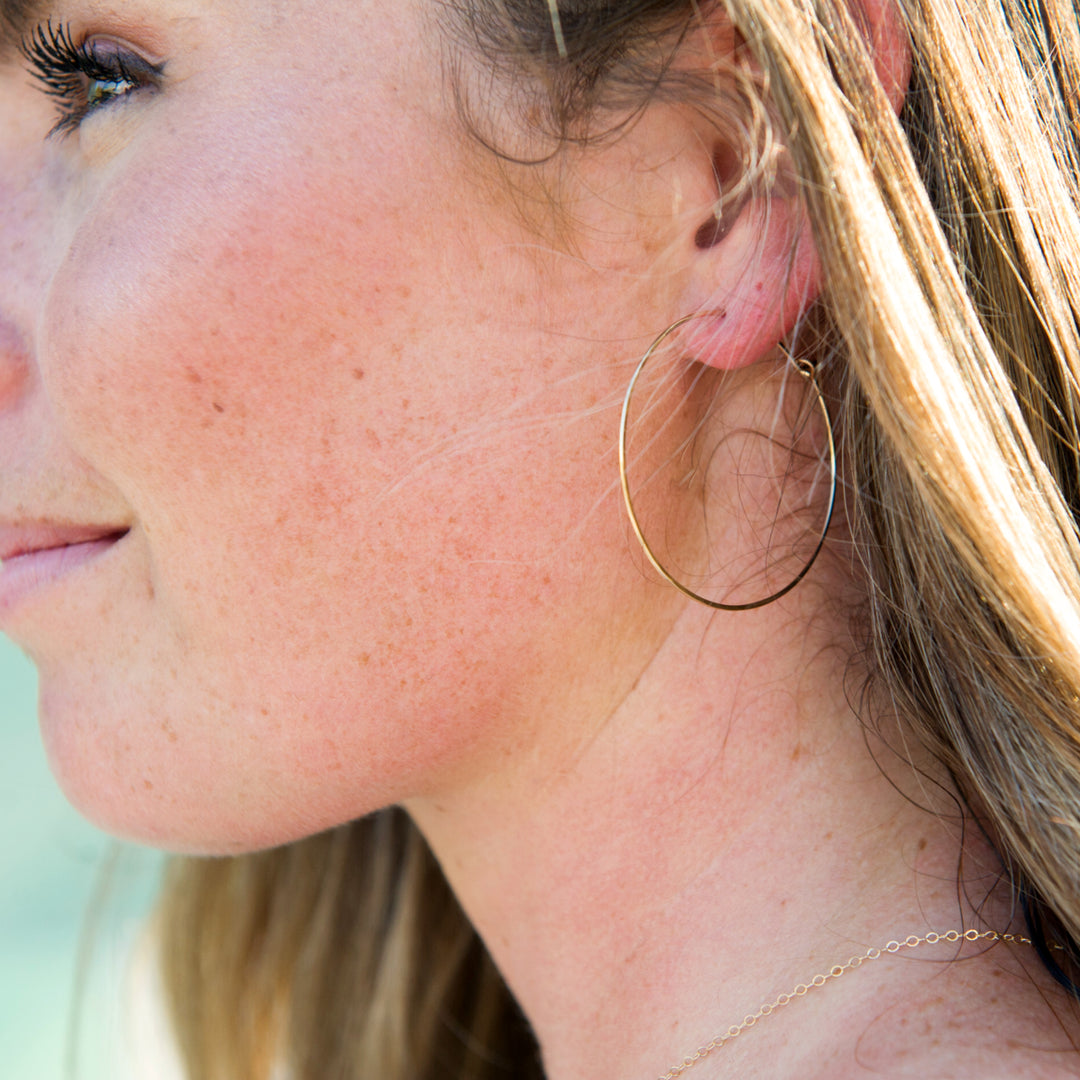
{"x": 804, "y": 368}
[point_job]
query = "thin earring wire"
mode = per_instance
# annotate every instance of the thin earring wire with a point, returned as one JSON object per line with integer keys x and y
{"x": 804, "y": 368}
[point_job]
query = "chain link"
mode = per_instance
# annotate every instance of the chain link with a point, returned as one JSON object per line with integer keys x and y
{"x": 912, "y": 941}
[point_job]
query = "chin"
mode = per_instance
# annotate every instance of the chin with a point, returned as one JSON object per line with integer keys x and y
{"x": 138, "y": 779}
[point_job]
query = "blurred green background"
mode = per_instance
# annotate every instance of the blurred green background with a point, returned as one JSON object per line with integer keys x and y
{"x": 51, "y": 865}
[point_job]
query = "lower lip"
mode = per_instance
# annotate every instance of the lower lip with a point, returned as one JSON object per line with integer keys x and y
{"x": 24, "y": 575}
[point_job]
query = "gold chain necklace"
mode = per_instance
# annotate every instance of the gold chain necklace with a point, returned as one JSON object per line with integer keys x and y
{"x": 912, "y": 941}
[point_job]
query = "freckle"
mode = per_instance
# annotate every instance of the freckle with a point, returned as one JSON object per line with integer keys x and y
{"x": 797, "y": 752}
{"x": 365, "y": 659}
{"x": 149, "y": 786}
{"x": 357, "y": 373}
{"x": 405, "y": 292}
{"x": 828, "y": 836}
{"x": 193, "y": 375}
{"x": 218, "y": 408}
{"x": 922, "y": 843}
{"x": 404, "y": 403}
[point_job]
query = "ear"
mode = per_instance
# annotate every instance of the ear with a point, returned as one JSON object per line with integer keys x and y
{"x": 755, "y": 268}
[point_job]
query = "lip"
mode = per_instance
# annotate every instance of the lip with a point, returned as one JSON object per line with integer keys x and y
{"x": 36, "y": 556}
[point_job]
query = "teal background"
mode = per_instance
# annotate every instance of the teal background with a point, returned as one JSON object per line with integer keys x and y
{"x": 51, "y": 870}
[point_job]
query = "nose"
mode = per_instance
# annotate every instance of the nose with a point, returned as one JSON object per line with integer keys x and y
{"x": 14, "y": 364}
{"x": 21, "y": 239}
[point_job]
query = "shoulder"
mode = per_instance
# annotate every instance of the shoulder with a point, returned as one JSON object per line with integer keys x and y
{"x": 941, "y": 1055}
{"x": 1023, "y": 1063}
{"x": 992, "y": 1019}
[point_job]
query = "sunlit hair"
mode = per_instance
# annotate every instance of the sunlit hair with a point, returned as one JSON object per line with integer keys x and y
{"x": 950, "y": 244}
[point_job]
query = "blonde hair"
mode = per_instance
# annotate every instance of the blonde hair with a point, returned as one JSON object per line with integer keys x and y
{"x": 950, "y": 243}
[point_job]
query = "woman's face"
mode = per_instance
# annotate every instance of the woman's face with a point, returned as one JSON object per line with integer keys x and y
{"x": 275, "y": 321}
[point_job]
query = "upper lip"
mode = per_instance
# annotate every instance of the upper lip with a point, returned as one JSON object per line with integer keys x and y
{"x": 24, "y": 538}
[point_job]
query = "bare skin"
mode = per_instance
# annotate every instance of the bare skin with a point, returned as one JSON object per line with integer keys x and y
{"x": 276, "y": 328}
{"x": 736, "y": 844}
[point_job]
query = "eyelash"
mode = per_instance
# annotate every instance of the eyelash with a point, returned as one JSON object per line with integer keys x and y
{"x": 67, "y": 72}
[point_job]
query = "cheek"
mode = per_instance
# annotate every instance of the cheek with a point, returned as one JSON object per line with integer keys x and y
{"x": 340, "y": 512}
{"x": 222, "y": 339}
{"x": 212, "y": 352}
{"x": 193, "y": 301}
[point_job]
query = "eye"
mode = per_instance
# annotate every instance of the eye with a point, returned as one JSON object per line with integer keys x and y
{"x": 86, "y": 77}
{"x": 100, "y": 91}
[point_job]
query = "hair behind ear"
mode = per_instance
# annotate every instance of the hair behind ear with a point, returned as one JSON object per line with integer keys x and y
{"x": 952, "y": 287}
{"x": 343, "y": 955}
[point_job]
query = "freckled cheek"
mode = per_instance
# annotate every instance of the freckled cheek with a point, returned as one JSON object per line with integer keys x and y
{"x": 171, "y": 346}
{"x": 217, "y": 299}
{"x": 122, "y": 338}
{"x": 205, "y": 365}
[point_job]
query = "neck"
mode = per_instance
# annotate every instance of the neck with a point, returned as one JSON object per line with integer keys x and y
{"x": 718, "y": 838}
